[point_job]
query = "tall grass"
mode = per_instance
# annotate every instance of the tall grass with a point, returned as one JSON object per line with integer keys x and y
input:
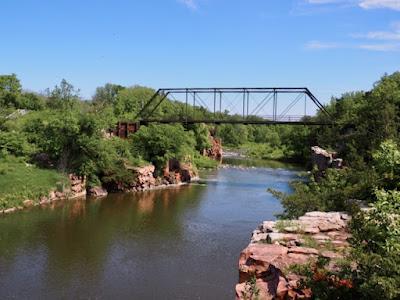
{"x": 20, "y": 181}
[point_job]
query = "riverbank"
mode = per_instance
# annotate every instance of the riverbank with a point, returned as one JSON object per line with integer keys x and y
{"x": 275, "y": 263}
{"x": 263, "y": 151}
{"x": 42, "y": 187}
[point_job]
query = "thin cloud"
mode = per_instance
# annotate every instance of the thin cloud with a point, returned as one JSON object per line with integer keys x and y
{"x": 191, "y": 4}
{"x": 379, "y": 35}
{"x": 371, "y": 4}
{"x": 381, "y": 47}
{"x": 317, "y": 45}
{"x": 386, "y": 47}
{"x": 392, "y": 35}
{"x": 365, "y": 4}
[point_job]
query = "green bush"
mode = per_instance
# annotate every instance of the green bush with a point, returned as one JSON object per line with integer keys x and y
{"x": 263, "y": 151}
{"x": 20, "y": 181}
{"x": 330, "y": 193}
{"x": 159, "y": 143}
{"x": 15, "y": 143}
{"x": 203, "y": 162}
{"x": 376, "y": 242}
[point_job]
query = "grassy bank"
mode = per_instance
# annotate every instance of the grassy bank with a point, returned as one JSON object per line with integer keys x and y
{"x": 20, "y": 181}
{"x": 203, "y": 162}
{"x": 264, "y": 151}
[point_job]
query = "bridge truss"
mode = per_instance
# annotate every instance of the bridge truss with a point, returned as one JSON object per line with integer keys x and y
{"x": 264, "y": 106}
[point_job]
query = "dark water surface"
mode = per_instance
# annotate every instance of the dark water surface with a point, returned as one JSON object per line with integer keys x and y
{"x": 180, "y": 243}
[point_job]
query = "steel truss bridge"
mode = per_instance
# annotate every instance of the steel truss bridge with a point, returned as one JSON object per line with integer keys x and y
{"x": 263, "y": 106}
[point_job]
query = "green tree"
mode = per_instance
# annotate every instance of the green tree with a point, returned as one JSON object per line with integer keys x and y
{"x": 107, "y": 94}
{"x": 376, "y": 242}
{"x": 63, "y": 95}
{"x": 130, "y": 100}
{"x": 10, "y": 89}
{"x": 387, "y": 162}
{"x": 159, "y": 143}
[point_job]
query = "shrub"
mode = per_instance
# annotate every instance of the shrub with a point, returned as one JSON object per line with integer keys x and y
{"x": 376, "y": 242}
{"x": 159, "y": 143}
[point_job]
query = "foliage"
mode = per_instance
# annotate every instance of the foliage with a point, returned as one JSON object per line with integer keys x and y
{"x": 129, "y": 101}
{"x": 331, "y": 193}
{"x": 15, "y": 143}
{"x": 203, "y": 162}
{"x": 202, "y": 136}
{"x": 376, "y": 232}
{"x": 387, "y": 162}
{"x": 251, "y": 291}
{"x": 233, "y": 135}
{"x": 376, "y": 240}
{"x": 10, "y": 84}
{"x": 159, "y": 143}
{"x": 327, "y": 284}
{"x": 63, "y": 96}
{"x": 262, "y": 151}
{"x": 20, "y": 181}
{"x": 107, "y": 94}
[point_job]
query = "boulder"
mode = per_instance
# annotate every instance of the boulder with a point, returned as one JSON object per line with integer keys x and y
{"x": 259, "y": 260}
{"x": 28, "y": 203}
{"x": 10, "y": 210}
{"x": 97, "y": 191}
{"x": 321, "y": 158}
{"x": 267, "y": 226}
{"x": 324, "y": 159}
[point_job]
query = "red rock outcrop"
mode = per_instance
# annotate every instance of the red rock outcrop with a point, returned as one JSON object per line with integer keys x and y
{"x": 215, "y": 152}
{"x": 177, "y": 172}
{"x": 275, "y": 246}
{"x": 144, "y": 178}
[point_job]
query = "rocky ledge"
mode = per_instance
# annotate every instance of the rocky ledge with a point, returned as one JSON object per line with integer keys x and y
{"x": 145, "y": 178}
{"x": 266, "y": 266}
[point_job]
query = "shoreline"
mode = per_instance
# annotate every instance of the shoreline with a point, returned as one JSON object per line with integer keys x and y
{"x": 82, "y": 193}
{"x": 29, "y": 204}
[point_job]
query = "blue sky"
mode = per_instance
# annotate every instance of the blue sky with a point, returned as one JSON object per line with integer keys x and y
{"x": 330, "y": 46}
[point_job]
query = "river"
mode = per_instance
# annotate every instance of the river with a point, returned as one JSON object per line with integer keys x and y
{"x": 179, "y": 243}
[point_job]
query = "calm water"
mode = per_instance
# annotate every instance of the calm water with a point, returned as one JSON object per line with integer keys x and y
{"x": 180, "y": 243}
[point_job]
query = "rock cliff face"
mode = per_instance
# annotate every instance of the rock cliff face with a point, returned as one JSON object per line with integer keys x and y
{"x": 275, "y": 246}
{"x": 145, "y": 178}
{"x": 177, "y": 172}
{"x": 215, "y": 152}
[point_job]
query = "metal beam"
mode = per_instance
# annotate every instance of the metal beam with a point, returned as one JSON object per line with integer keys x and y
{"x": 146, "y": 113}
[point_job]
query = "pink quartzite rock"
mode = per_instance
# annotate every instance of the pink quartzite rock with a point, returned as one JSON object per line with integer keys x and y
{"x": 270, "y": 253}
{"x": 303, "y": 250}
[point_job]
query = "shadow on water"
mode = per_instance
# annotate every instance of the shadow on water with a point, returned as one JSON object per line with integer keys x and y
{"x": 178, "y": 243}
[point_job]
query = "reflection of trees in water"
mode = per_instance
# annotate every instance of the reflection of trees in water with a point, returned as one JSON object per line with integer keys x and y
{"x": 78, "y": 235}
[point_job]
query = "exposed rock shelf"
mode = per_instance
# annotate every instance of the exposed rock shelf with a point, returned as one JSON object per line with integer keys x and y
{"x": 277, "y": 245}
